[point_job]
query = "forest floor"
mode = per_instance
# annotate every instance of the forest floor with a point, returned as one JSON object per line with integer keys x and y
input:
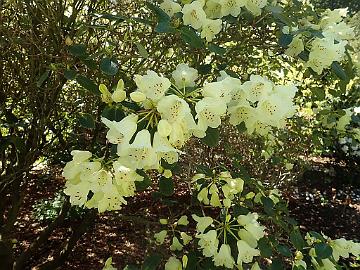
{"x": 320, "y": 200}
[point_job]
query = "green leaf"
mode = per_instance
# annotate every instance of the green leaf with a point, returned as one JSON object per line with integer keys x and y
{"x": 297, "y": 239}
{"x": 241, "y": 127}
{"x": 43, "y": 78}
{"x": 204, "y": 169}
{"x": 152, "y": 262}
{"x": 111, "y": 17}
{"x": 285, "y": 40}
{"x": 109, "y": 66}
{"x": 284, "y": 250}
{"x": 70, "y": 74}
{"x": 88, "y": 84}
{"x": 87, "y": 121}
{"x": 113, "y": 113}
{"x": 339, "y": 71}
{"x": 163, "y": 19}
{"x": 276, "y": 264}
{"x": 166, "y": 186}
{"x": 323, "y": 250}
{"x": 142, "y": 50}
{"x": 319, "y": 93}
{"x": 78, "y": 50}
{"x": 240, "y": 210}
{"x": 212, "y": 137}
{"x": 216, "y": 49}
{"x": 145, "y": 183}
{"x": 268, "y": 205}
{"x": 265, "y": 247}
{"x": 131, "y": 267}
{"x": 204, "y": 69}
{"x": 189, "y": 35}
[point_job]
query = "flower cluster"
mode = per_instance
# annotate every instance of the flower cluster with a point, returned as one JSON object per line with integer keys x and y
{"x": 340, "y": 248}
{"x": 261, "y": 104}
{"x": 209, "y": 190}
{"x": 328, "y": 45}
{"x": 176, "y": 233}
{"x": 245, "y": 229}
{"x": 106, "y": 187}
{"x": 170, "y": 115}
{"x": 205, "y": 15}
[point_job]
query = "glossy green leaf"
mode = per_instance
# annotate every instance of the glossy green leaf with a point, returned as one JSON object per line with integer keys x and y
{"x": 78, "y": 50}
{"x": 87, "y": 121}
{"x": 88, "y": 84}
{"x": 43, "y": 78}
{"x": 265, "y": 247}
{"x": 297, "y": 239}
{"x": 190, "y": 37}
{"x": 109, "y": 66}
{"x": 212, "y": 137}
{"x": 339, "y": 71}
{"x": 70, "y": 74}
{"x": 323, "y": 250}
{"x": 141, "y": 49}
{"x": 152, "y": 262}
{"x": 166, "y": 186}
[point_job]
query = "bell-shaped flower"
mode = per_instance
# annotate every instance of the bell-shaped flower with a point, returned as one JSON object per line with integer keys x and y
{"x": 209, "y": 243}
{"x": 213, "y": 9}
{"x": 121, "y": 132}
{"x": 173, "y": 109}
{"x": 78, "y": 193}
{"x": 296, "y": 46}
{"x": 231, "y": 7}
{"x": 185, "y": 237}
{"x": 210, "y": 29}
{"x": 246, "y": 252}
{"x": 105, "y": 94}
{"x": 119, "y": 94}
{"x": 222, "y": 90}
{"x": 173, "y": 264}
{"x": 258, "y": 88}
{"x": 248, "y": 238}
{"x": 160, "y": 236}
{"x": 152, "y": 85}
{"x": 255, "y": 6}
{"x": 80, "y": 156}
{"x": 243, "y": 113}
{"x": 164, "y": 149}
{"x": 107, "y": 199}
{"x": 73, "y": 168}
{"x": 183, "y": 220}
{"x": 223, "y": 257}
{"x": 88, "y": 169}
{"x": 202, "y": 222}
{"x": 164, "y": 128}
{"x": 176, "y": 245}
{"x": 193, "y": 14}
{"x": 99, "y": 179}
{"x": 209, "y": 112}
{"x": 140, "y": 154}
{"x": 125, "y": 179}
{"x": 184, "y": 76}
{"x": 170, "y": 7}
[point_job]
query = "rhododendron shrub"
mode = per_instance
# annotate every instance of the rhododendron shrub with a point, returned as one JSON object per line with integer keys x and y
{"x": 236, "y": 221}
